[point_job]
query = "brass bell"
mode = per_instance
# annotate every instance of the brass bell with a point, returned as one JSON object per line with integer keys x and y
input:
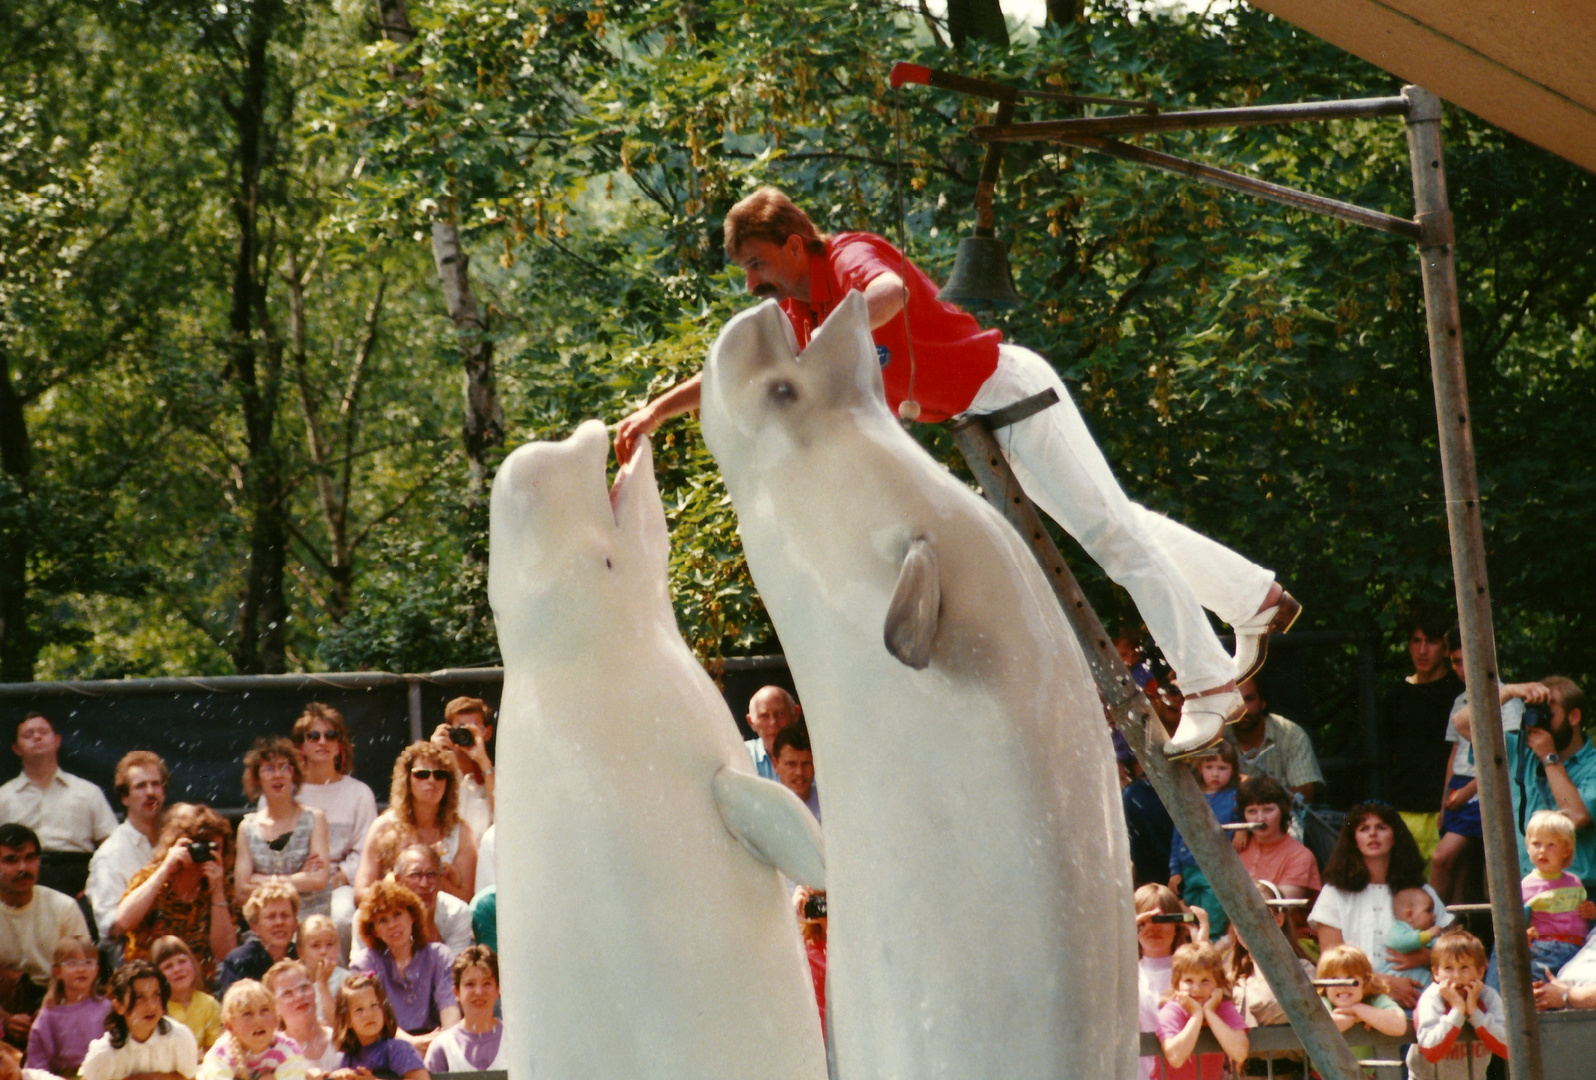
{"x": 981, "y": 277}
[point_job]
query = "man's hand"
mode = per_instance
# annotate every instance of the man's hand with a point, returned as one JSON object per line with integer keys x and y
{"x": 1459, "y": 798}
{"x": 18, "y": 1024}
{"x": 1540, "y": 741}
{"x": 640, "y": 424}
{"x": 1551, "y": 994}
{"x": 1402, "y": 990}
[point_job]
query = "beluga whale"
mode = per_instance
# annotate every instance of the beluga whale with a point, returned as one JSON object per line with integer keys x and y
{"x": 645, "y": 931}
{"x": 979, "y": 903}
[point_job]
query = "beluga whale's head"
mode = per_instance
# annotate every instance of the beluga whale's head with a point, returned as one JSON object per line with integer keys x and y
{"x": 764, "y": 401}
{"x": 570, "y": 559}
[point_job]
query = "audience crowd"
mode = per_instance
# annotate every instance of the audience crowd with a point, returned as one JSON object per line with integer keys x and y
{"x": 321, "y": 938}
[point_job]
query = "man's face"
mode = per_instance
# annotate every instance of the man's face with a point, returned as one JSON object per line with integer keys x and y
{"x": 775, "y": 270}
{"x": 768, "y": 713}
{"x": 1563, "y": 726}
{"x": 19, "y": 871}
{"x": 1257, "y": 707}
{"x": 36, "y": 739}
{"x": 420, "y": 877}
{"x": 797, "y": 770}
{"x": 146, "y": 794}
{"x": 275, "y": 924}
{"x": 1455, "y": 657}
{"x": 1428, "y": 654}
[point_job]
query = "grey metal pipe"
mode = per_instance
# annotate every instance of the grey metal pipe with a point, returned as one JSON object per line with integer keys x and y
{"x": 1249, "y": 185}
{"x": 238, "y": 684}
{"x": 1174, "y": 783}
{"x": 1468, "y": 571}
{"x": 1189, "y": 119}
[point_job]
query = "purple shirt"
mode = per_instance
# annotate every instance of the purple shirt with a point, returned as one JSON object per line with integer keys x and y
{"x": 62, "y": 1033}
{"x": 385, "y": 1057}
{"x": 425, "y": 989}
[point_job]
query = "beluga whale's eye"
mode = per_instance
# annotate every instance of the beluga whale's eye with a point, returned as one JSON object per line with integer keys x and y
{"x": 783, "y": 392}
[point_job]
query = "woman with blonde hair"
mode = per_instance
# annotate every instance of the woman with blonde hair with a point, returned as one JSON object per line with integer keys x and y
{"x": 182, "y": 890}
{"x": 281, "y": 841}
{"x": 423, "y": 808}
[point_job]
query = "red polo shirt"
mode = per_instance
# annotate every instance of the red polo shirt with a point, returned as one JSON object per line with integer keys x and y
{"x": 953, "y": 356}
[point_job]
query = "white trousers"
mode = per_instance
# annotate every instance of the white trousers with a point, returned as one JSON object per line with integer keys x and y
{"x": 1170, "y": 571}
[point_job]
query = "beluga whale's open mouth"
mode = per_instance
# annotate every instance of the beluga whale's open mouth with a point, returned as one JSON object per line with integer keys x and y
{"x": 620, "y": 489}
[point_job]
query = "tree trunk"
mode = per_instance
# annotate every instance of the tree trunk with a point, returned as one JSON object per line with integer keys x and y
{"x": 260, "y": 645}
{"x": 977, "y": 20}
{"x": 1063, "y": 12}
{"x": 484, "y": 418}
{"x": 18, "y": 649}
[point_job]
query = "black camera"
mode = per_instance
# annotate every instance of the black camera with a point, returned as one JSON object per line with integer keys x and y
{"x": 1538, "y": 716}
{"x": 815, "y": 906}
{"x": 461, "y": 735}
{"x": 1174, "y": 917}
{"x": 202, "y": 851}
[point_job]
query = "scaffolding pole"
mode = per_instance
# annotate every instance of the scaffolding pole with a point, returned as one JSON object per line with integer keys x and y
{"x": 1173, "y": 781}
{"x": 1468, "y": 571}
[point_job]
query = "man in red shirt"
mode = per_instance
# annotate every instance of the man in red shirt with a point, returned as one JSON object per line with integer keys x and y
{"x": 937, "y": 362}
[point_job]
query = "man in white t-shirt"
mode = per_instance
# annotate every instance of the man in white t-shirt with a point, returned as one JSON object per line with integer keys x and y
{"x": 769, "y": 710}
{"x": 141, "y": 779}
{"x": 467, "y": 729}
{"x": 33, "y": 920}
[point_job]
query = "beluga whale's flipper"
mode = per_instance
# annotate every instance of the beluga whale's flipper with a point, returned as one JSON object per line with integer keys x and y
{"x": 916, "y": 604}
{"x": 773, "y": 825}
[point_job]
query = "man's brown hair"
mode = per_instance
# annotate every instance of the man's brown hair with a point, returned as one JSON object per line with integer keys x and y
{"x": 138, "y": 759}
{"x": 769, "y": 215}
{"x": 1567, "y": 694}
{"x": 468, "y": 705}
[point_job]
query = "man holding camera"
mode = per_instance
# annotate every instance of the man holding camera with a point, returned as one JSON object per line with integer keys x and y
{"x": 467, "y": 726}
{"x": 1551, "y": 765}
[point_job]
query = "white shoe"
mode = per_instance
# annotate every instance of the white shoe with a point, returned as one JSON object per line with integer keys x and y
{"x": 1252, "y": 635}
{"x": 1202, "y": 722}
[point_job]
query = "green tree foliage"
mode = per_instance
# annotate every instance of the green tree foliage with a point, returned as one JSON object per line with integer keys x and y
{"x": 1258, "y": 373}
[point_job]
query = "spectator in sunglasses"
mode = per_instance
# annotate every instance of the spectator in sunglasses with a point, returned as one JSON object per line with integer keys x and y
{"x": 328, "y": 759}
{"x": 423, "y": 808}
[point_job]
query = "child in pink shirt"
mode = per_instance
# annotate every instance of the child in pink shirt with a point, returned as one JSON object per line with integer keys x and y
{"x": 1554, "y": 899}
{"x": 1199, "y": 998}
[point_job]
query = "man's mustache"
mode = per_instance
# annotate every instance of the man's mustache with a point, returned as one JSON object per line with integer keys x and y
{"x": 765, "y": 289}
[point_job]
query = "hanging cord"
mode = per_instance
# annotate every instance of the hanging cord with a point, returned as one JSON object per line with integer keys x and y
{"x": 908, "y": 408}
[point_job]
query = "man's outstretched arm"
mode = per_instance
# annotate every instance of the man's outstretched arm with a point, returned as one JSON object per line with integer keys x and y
{"x": 684, "y": 397}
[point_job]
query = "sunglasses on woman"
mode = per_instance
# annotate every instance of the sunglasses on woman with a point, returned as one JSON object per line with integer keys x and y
{"x": 434, "y": 774}
{"x": 318, "y": 736}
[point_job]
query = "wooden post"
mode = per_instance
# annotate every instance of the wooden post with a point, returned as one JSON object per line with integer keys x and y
{"x": 1468, "y": 571}
{"x": 1175, "y": 785}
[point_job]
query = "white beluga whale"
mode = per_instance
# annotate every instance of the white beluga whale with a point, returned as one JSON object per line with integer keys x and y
{"x": 644, "y": 931}
{"x": 980, "y": 921}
